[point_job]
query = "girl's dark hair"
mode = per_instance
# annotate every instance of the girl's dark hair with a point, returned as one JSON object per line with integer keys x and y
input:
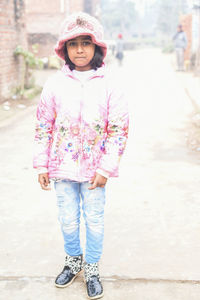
{"x": 95, "y": 63}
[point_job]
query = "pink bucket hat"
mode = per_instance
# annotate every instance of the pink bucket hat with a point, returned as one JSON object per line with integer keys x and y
{"x": 80, "y": 24}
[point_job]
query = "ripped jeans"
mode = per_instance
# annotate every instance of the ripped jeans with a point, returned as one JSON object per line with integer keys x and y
{"x": 69, "y": 194}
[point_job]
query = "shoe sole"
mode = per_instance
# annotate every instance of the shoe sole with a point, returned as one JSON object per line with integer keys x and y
{"x": 96, "y": 297}
{"x": 67, "y": 284}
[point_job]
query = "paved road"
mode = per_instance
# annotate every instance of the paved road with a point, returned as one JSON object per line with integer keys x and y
{"x": 152, "y": 220}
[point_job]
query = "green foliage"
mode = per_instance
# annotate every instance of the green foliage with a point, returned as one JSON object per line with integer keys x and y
{"x": 30, "y": 59}
{"x": 29, "y": 93}
{"x": 168, "y": 48}
{"x": 32, "y": 92}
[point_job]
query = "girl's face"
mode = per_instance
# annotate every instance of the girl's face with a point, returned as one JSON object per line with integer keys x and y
{"x": 81, "y": 51}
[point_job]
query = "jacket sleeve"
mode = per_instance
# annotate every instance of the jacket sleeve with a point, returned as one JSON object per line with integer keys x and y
{"x": 45, "y": 118}
{"x": 117, "y": 133}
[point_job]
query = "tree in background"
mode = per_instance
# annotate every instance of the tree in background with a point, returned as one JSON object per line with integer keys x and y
{"x": 119, "y": 16}
{"x": 169, "y": 12}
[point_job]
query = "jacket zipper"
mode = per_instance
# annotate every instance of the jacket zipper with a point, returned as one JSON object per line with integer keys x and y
{"x": 81, "y": 119}
{"x": 81, "y": 128}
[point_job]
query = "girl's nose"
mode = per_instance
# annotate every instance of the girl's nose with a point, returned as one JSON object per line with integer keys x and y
{"x": 79, "y": 48}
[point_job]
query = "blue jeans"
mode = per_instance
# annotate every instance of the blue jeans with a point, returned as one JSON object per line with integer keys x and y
{"x": 69, "y": 194}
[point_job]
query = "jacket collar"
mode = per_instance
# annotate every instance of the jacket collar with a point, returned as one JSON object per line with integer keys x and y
{"x": 98, "y": 73}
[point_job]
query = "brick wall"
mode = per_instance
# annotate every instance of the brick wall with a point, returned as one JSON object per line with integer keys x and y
{"x": 186, "y": 21}
{"x": 27, "y": 22}
{"x": 44, "y": 16}
{"x": 44, "y": 19}
{"x": 43, "y": 22}
{"x": 13, "y": 33}
{"x": 76, "y": 5}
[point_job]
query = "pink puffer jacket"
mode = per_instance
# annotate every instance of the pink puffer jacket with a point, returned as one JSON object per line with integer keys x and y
{"x": 80, "y": 127}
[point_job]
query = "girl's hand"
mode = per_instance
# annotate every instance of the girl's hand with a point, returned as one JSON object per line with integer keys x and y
{"x": 43, "y": 179}
{"x": 97, "y": 181}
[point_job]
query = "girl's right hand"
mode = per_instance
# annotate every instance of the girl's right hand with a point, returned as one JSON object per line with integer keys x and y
{"x": 97, "y": 181}
{"x": 43, "y": 179}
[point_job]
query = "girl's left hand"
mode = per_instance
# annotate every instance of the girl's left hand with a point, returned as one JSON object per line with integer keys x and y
{"x": 97, "y": 181}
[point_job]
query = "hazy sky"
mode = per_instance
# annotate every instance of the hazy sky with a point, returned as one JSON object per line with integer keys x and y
{"x": 141, "y": 4}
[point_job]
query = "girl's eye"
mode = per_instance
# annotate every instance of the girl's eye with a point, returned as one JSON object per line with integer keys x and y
{"x": 75, "y": 44}
{"x": 86, "y": 43}
{"x": 72, "y": 44}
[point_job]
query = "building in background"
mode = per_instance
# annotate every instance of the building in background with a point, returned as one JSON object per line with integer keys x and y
{"x": 186, "y": 21}
{"x": 13, "y": 33}
{"x": 44, "y": 19}
{"x": 191, "y": 25}
{"x": 196, "y": 34}
{"x": 28, "y": 22}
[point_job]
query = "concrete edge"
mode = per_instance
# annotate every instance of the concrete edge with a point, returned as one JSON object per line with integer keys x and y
{"x": 109, "y": 279}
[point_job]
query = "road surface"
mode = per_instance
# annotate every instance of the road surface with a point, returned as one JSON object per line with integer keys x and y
{"x": 152, "y": 218}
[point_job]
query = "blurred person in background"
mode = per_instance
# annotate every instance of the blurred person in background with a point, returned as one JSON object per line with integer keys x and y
{"x": 119, "y": 49}
{"x": 180, "y": 44}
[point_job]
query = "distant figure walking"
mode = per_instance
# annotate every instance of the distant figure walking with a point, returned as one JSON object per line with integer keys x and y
{"x": 120, "y": 49}
{"x": 180, "y": 44}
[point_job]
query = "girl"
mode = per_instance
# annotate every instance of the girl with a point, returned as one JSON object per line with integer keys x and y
{"x": 81, "y": 132}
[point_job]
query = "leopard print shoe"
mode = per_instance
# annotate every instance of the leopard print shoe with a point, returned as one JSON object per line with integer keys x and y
{"x": 93, "y": 281}
{"x": 73, "y": 267}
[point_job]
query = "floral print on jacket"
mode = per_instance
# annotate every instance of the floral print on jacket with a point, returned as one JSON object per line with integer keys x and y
{"x": 80, "y": 127}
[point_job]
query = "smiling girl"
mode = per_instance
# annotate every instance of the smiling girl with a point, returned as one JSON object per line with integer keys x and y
{"x": 81, "y": 133}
